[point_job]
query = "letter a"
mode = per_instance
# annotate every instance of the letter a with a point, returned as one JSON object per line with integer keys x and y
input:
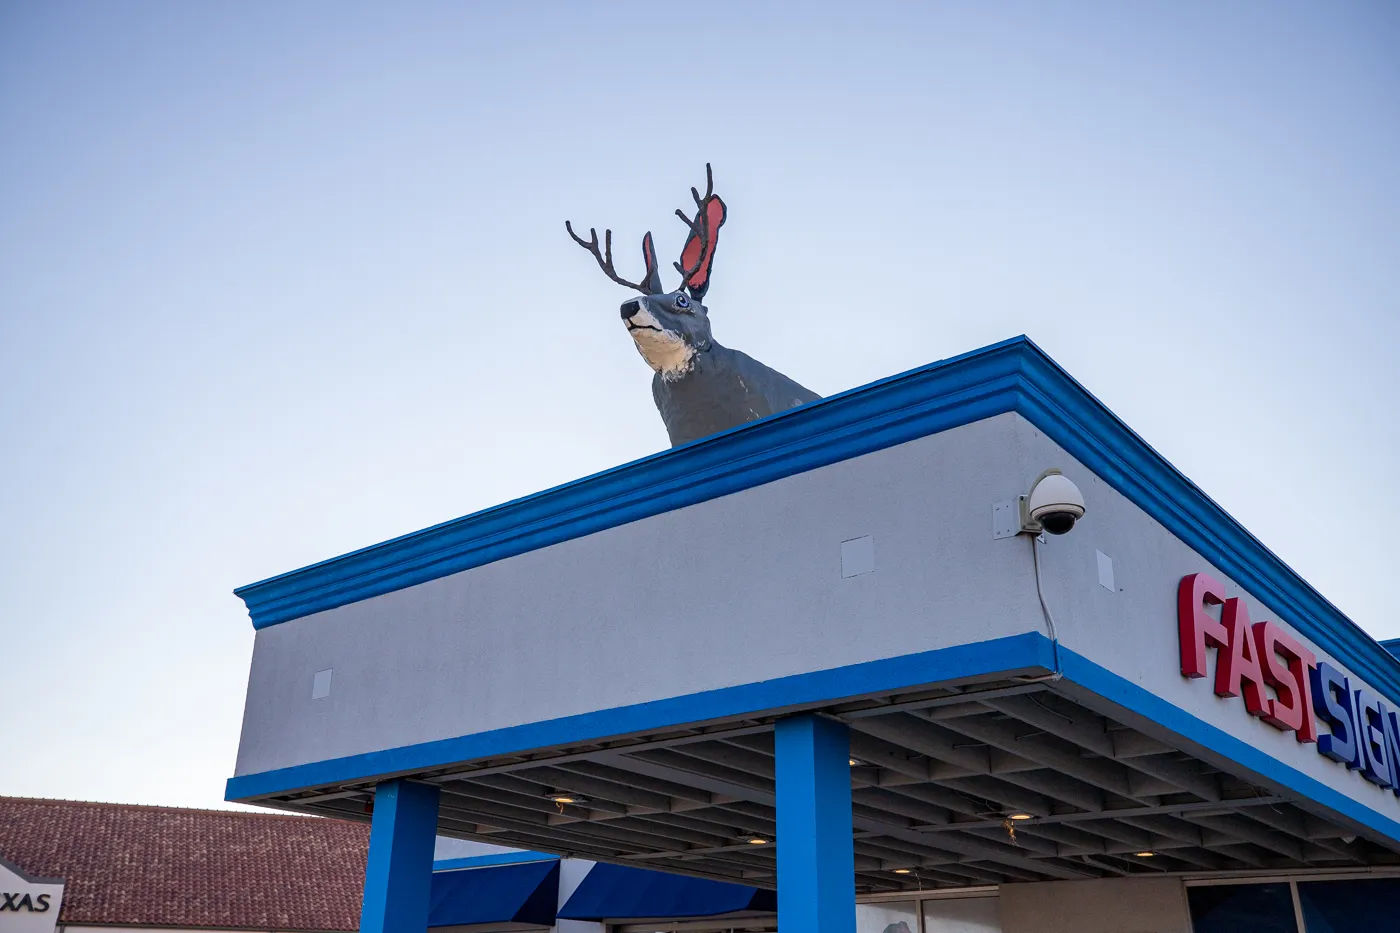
{"x": 1238, "y": 669}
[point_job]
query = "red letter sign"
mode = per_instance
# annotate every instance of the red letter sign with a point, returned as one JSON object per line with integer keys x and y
{"x": 1286, "y": 712}
{"x": 1197, "y": 627}
{"x": 1237, "y": 670}
{"x": 1293, "y": 709}
{"x": 1251, "y": 656}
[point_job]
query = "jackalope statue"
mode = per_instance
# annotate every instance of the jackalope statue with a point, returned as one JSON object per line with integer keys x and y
{"x": 700, "y": 387}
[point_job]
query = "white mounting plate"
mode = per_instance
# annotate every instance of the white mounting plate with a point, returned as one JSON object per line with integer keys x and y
{"x": 1006, "y": 518}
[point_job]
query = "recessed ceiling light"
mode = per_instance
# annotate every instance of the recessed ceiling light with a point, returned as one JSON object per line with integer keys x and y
{"x": 853, "y": 762}
{"x": 901, "y": 871}
{"x": 562, "y": 797}
{"x": 1021, "y": 816}
{"x": 1144, "y": 854}
{"x": 756, "y": 841}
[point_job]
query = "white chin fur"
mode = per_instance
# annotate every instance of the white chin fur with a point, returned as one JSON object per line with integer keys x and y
{"x": 665, "y": 351}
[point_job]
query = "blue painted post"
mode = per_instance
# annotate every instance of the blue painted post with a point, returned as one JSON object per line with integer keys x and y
{"x": 816, "y": 861}
{"x": 399, "y": 872}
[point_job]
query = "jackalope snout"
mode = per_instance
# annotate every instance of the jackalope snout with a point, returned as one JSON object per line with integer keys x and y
{"x": 699, "y": 386}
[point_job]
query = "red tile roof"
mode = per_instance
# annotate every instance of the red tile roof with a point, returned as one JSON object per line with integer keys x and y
{"x": 171, "y": 867}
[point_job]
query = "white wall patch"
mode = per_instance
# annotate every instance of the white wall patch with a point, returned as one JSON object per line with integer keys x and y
{"x": 321, "y": 684}
{"x": 1106, "y": 572}
{"x": 857, "y": 556}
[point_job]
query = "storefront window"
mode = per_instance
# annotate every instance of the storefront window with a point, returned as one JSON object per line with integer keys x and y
{"x": 961, "y": 915}
{"x": 1342, "y": 906}
{"x": 888, "y": 917}
{"x": 1242, "y": 908}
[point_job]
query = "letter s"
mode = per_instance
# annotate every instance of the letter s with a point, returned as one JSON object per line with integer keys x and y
{"x": 1331, "y": 692}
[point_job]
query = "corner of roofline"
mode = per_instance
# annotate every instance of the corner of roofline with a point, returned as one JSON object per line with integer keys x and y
{"x": 244, "y": 594}
{"x": 1021, "y": 344}
{"x": 1020, "y": 341}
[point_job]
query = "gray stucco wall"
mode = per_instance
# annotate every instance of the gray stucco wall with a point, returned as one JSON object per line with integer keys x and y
{"x": 739, "y": 589}
{"x": 1132, "y": 630}
{"x": 747, "y": 588}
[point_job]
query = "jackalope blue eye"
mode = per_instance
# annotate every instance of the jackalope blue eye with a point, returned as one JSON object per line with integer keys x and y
{"x": 682, "y": 301}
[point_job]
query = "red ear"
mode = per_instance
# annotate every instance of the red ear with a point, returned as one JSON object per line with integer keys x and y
{"x": 693, "y": 261}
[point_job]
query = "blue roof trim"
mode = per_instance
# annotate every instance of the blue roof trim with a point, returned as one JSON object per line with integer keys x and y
{"x": 526, "y": 893}
{"x": 495, "y": 858}
{"x": 1085, "y": 673}
{"x": 1011, "y": 376}
{"x": 622, "y": 892}
{"x": 924, "y": 401}
{"x": 1392, "y": 645}
{"x": 1027, "y": 653}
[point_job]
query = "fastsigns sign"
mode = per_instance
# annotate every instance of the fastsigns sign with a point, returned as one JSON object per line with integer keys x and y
{"x": 1251, "y": 656}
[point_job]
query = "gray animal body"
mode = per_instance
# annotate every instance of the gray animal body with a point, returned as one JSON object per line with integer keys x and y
{"x": 700, "y": 387}
{"x": 726, "y": 388}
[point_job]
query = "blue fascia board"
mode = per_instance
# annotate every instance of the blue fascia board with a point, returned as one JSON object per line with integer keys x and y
{"x": 1392, "y": 645}
{"x": 1079, "y": 670}
{"x": 1012, "y": 376}
{"x": 1018, "y": 652}
{"x": 495, "y": 858}
{"x": 1030, "y": 653}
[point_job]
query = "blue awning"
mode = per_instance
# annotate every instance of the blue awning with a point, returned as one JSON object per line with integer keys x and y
{"x": 617, "y": 892}
{"x": 526, "y": 893}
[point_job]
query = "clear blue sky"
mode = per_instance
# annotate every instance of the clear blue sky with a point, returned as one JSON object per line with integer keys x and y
{"x": 282, "y": 280}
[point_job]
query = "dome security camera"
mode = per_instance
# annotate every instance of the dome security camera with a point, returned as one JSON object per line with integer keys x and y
{"x": 1054, "y": 505}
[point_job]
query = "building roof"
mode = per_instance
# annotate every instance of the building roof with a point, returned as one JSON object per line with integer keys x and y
{"x": 175, "y": 867}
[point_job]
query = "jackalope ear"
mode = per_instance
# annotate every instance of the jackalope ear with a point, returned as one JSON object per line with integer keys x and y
{"x": 652, "y": 280}
{"x": 698, "y": 254}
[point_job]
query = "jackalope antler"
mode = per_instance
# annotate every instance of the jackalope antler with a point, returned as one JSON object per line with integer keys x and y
{"x": 698, "y": 254}
{"x": 699, "y": 385}
{"x": 698, "y": 227}
{"x": 607, "y": 264}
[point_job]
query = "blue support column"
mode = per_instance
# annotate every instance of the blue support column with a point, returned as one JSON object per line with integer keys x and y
{"x": 816, "y": 861}
{"x": 399, "y": 873}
